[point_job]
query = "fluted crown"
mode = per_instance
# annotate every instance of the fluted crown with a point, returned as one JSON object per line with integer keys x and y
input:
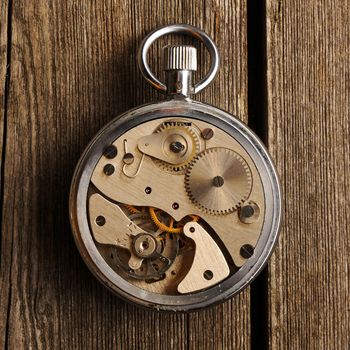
{"x": 179, "y": 57}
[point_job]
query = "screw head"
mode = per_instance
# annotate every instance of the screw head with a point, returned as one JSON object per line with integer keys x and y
{"x": 128, "y": 158}
{"x": 192, "y": 229}
{"x": 100, "y": 220}
{"x": 207, "y": 133}
{"x": 247, "y": 211}
{"x": 246, "y": 251}
{"x": 148, "y": 190}
{"x": 208, "y": 275}
{"x": 176, "y": 147}
{"x": 110, "y": 152}
{"x": 218, "y": 181}
{"x": 108, "y": 169}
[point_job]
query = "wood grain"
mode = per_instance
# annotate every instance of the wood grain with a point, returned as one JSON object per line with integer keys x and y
{"x": 5, "y": 242}
{"x": 308, "y": 116}
{"x": 73, "y": 68}
{"x": 4, "y": 10}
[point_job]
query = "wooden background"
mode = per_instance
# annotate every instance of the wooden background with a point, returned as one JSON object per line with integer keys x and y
{"x": 68, "y": 67}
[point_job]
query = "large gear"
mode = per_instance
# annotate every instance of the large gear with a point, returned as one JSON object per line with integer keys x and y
{"x": 218, "y": 180}
{"x": 190, "y": 133}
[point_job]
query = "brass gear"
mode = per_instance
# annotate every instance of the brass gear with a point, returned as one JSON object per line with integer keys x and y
{"x": 218, "y": 180}
{"x": 190, "y": 132}
{"x": 152, "y": 267}
{"x": 169, "y": 227}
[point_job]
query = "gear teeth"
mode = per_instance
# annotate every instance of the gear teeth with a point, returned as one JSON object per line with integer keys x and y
{"x": 190, "y": 168}
{"x": 178, "y": 125}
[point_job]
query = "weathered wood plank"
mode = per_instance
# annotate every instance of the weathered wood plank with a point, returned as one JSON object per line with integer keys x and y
{"x": 309, "y": 133}
{"x": 4, "y": 8}
{"x": 72, "y": 69}
{"x": 5, "y": 242}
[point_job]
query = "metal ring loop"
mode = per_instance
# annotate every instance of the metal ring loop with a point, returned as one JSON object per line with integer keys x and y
{"x": 180, "y": 29}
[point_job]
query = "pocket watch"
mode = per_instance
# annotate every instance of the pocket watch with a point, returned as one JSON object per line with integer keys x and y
{"x": 175, "y": 205}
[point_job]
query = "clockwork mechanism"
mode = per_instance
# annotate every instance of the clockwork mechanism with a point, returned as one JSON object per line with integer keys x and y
{"x": 175, "y": 205}
{"x": 151, "y": 217}
{"x": 150, "y": 254}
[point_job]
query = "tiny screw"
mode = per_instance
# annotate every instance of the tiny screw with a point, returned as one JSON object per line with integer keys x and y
{"x": 247, "y": 211}
{"x": 108, "y": 169}
{"x": 246, "y": 251}
{"x": 192, "y": 229}
{"x": 175, "y": 206}
{"x": 110, "y": 152}
{"x": 128, "y": 158}
{"x": 100, "y": 220}
{"x": 148, "y": 190}
{"x": 218, "y": 181}
{"x": 208, "y": 275}
{"x": 176, "y": 147}
{"x": 207, "y": 134}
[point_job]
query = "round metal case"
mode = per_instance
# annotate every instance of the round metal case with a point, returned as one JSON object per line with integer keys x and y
{"x": 175, "y": 205}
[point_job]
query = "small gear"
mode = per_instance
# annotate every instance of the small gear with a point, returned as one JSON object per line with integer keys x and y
{"x": 189, "y": 133}
{"x": 153, "y": 266}
{"x": 218, "y": 180}
{"x": 169, "y": 227}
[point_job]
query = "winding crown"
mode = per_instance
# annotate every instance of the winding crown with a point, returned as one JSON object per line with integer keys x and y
{"x": 179, "y": 57}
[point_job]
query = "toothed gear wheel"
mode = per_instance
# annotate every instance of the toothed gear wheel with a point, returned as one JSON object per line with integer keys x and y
{"x": 152, "y": 267}
{"x": 190, "y": 133}
{"x": 218, "y": 180}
